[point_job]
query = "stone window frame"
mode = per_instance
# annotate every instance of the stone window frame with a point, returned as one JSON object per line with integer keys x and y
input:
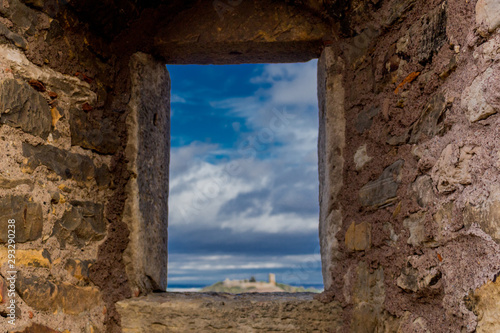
{"x": 148, "y": 123}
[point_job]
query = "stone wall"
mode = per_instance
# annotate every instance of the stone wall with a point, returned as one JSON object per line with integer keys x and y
{"x": 409, "y": 156}
{"x": 62, "y": 135}
{"x": 410, "y": 243}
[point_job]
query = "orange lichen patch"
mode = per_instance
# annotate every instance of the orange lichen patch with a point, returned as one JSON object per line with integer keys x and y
{"x": 410, "y": 78}
{"x": 55, "y": 116}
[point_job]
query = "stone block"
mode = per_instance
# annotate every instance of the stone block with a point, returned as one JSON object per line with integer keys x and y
{"x": 78, "y": 268}
{"x": 50, "y": 296}
{"x": 433, "y": 28}
{"x": 416, "y": 225}
{"x": 98, "y": 135}
{"x": 487, "y": 216}
{"x": 423, "y": 191}
{"x": 22, "y": 107}
{"x": 488, "y": 14}
{"x": 452, "y": 168}
{"x": 431, "y": 121}
{"x": 383, "y": 191}
{"x": 28, "y": 216}
{"x": 82, "y": 223}
{"x": 482, "y": 98}
{"x": 358, "y": 236}
{"x": 361, "y": 157}
{"x": 65, "y": 164}
{"x": 148, "y": 152}
{"x": 28, "y": 258}
{"x": 7, "y": 184}
{"x": 365, "y": 119}
{"x": 485, "y": 303}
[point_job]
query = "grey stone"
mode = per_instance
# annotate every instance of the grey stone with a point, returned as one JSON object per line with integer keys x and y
{"x": 98, "y": 135}
{"x": 488, "y": 14}
{"x": 18, "y": 40}
{"x": 397, "y": 11}
{"x": 482, "y": 98}
{"x": 416, "y": 225}
{"x": 22, "y": 107}
{"x": 487, "y": 216}
{"x": 27, "y": 214}
{"x": 148, "y": 152}
{"x": 424, "y": 191}
{"x": 452, "y": 168}
{"x": 383, "y": 191}
{"x": 434, "y": 33}
{"x": 431, "y": 121}
{"x": 365, "y": 119}
{"x": 419, "y": 280}
{"x": 65, "y": 164}
{"x": 81, "y": 224}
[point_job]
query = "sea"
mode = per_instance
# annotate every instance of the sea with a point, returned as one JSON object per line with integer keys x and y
{"x": 197, "y": 287}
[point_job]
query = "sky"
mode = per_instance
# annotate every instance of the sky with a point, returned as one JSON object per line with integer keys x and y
{"x": 243, "y": 174}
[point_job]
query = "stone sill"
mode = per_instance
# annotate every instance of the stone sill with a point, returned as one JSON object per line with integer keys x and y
{"x": 221, "y": 312}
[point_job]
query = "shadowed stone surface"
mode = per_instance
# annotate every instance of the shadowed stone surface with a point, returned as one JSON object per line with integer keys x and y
{"x": 331, "y": 144}
{"x": 382, "y": 191}
{"x": 22, "y": 107}
{"x": 98, "y": 135}
{"x": 28, "y": 216}
{"x": 65, "y": 164}
{"x": 148, "y": 150}
{"x": 45, "y": 295}
{"x": 198, "y": 312}
{"x": 81, "y": 224}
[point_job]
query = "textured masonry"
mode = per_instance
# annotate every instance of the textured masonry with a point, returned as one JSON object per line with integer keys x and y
{"x": 408, "y": 151}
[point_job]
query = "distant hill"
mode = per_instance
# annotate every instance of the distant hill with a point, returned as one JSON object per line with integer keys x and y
{"x": 252, "y": 286}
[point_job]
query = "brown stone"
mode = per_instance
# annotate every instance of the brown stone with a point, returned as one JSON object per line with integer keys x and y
{"x": 27, "y": 214}
{"x": 22, "y": 107}
{"x": 485, "y": 302}
{"x": 383, "y": 191}
{"x": 78, "y": 268}
{"x": 37, "y": 85}
{"x": 82, "y": 223}
{"x": 269, "y": 312}
{"x": 37, "y": 328}
{"x": 358, "y": 236}
{"x": 47, "y": 295}
{"x": 8, "y": 184}
{"x": 29, "y": 258}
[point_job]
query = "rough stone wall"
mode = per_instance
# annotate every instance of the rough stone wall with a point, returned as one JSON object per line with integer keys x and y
{"x": 62, "y": 136}
{"x": 417, "y": 246}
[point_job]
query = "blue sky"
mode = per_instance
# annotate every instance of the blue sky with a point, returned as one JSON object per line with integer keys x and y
{"x": 243, "y": 173}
